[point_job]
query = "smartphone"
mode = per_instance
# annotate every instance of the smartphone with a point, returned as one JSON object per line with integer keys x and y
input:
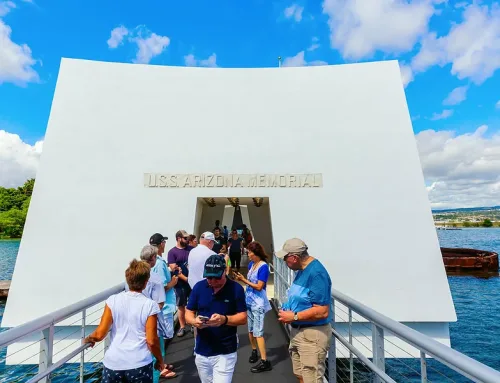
{"x": 203, "y": 318}
{"x": 176, "y": 272}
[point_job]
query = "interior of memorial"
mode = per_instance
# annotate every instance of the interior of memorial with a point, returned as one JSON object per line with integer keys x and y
{"x": 234, "y": 212}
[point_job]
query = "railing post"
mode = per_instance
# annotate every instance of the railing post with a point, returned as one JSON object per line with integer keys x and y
{"x": 378, "y": 350}
{"x": 82, "y": 354}
{"x": 46, "y": 352}
{"x": 351, "y": 361}
{"x": 423, "y": 367}
{"x": 332, "y": 353}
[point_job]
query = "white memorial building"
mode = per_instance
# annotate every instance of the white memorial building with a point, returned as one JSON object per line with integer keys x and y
{"x": 323, "y": 153}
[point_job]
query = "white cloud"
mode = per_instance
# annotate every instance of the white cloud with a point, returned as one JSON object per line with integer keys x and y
{"x": 471, "y": 47}
{"x": 443, "y": 115}
{"x": 406, "y": 74}
{"x": 497, "y": 105}
{"x": 299, "y": 60}
{"x": 210, "y": 61}
{"x": 456, "y": 96}
{"x": 5, "y": 7}
{"x": 294, "y": 11}
{"x": 16, "y": 60}
{"x": 149, "y": 47}
{"x": 314, "y": 45}
{"x": 117, "y": 36}
{"x": 149, "y": 44}
{"x": 360, "y": 28}
{"x": 463, "y": 170}
{"x": 18, "y": 160}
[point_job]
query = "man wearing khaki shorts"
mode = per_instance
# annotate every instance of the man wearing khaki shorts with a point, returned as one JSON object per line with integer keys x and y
{"x": 308, "y": 311}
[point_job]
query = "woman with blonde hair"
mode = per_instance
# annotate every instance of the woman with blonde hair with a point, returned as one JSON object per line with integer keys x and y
{"x": 132, "y": 319}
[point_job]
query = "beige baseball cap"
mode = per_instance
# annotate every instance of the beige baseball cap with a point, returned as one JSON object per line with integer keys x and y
{"x": 294, "y": 245}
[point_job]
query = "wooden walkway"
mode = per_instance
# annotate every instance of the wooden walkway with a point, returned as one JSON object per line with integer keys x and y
{"x": 180, "y": 353}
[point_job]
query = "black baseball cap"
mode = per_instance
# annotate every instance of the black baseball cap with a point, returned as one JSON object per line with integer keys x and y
{"x": 156, "y": 239}
{"x": 215, "y": 266}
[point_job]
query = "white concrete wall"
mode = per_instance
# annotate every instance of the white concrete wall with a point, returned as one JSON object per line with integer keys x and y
{"x": 111, "y": 123}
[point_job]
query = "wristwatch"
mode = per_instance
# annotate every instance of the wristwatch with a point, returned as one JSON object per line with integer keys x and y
{"x": 295, "y": 316}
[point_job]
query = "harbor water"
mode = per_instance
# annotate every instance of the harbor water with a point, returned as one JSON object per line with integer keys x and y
{"x": 476, "y": 299}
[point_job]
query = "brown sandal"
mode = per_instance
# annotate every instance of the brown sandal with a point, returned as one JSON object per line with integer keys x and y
{"x": 167, "y": 374}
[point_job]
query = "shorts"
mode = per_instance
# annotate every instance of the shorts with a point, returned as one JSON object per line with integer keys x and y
{"x": 182, "y": 295}
{"x": 169, "y": 325}
{"x": 135, "y": 375}
{"x": 256, "y": 321}
{"x": 308, "y": 349}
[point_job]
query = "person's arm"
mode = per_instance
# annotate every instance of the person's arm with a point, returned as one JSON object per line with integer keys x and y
{"x": 192, "y": 307}
{"x": 217, "y": 320}
{"x": 320, "y": 293}
{"x": 256, "y": 286}
{"x": 238, "y": 319}
{"x": 102, "y": 330}
{"x": 262, "y": 277}
{"x": 226, "y": 258}
{"x": 172, "y": 283}
{"x": 182, "y": 276}
{"x": 153, "y": 341}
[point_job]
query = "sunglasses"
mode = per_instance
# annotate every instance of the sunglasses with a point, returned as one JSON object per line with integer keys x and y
{"x": 214, "y": 278}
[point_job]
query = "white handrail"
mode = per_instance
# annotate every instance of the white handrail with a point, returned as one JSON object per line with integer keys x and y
{"x": 16, "y": 333}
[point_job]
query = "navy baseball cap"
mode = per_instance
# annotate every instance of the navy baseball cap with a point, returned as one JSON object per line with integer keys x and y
{"x": 156, "y": 239}
{"x": 215, "y": 266}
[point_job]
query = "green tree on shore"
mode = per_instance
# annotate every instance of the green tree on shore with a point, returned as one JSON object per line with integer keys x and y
{"x": 14, "y": 204}
{"x": 487, "y": 223}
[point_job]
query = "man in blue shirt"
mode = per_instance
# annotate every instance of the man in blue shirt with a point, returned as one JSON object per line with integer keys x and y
{"x": 308, "y": 311}
{"x": 216, "y": 307}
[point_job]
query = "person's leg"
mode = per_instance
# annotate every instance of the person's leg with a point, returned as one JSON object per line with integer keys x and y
{"x": 258, "y": 333}
{"x": 156, "y": 373}
{"x": 181, "y": 301}
{"x": 139, "y": 375}
{"x": 294, "y": 354}
{"x": 238, "y": 261}
{"x": 232, "y": 258}
{"x": 313, "y": 349}
{"x": 224, "y": 368}
{"x": 205, "y": 368}
{"x": 250, "y": 320}
{"x": 111, "y": 376}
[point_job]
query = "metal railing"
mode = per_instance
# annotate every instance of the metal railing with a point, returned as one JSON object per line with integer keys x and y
{"x": 347, "y": 362}
{"x": 44, "y": 330}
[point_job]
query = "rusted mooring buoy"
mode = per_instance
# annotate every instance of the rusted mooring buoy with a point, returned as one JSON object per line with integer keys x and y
{"x": 464, "y": 260}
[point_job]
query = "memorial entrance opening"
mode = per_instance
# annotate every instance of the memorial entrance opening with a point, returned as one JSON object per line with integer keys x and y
{"x": 234, "y": 212}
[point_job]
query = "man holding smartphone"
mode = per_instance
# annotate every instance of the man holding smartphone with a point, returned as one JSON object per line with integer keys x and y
{"x": 216, "y": 307}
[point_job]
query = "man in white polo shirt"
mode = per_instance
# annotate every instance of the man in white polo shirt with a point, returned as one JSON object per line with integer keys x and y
{"x": 198, "y": 257}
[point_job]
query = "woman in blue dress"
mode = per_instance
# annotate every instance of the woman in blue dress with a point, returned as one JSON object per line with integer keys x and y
{"x": 257, "y": 304}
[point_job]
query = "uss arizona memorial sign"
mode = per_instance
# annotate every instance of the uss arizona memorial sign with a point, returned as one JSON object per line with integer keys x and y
{"x": 215, "y": 180}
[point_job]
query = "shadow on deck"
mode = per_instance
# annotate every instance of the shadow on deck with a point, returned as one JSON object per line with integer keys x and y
{"x": 180, "y": 353}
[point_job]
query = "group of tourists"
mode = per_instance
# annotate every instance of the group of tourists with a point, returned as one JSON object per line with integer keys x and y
{"x": 206, "y": 287}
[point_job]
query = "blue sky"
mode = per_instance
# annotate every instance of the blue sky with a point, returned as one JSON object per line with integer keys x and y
{"x": 442, "y": 45}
